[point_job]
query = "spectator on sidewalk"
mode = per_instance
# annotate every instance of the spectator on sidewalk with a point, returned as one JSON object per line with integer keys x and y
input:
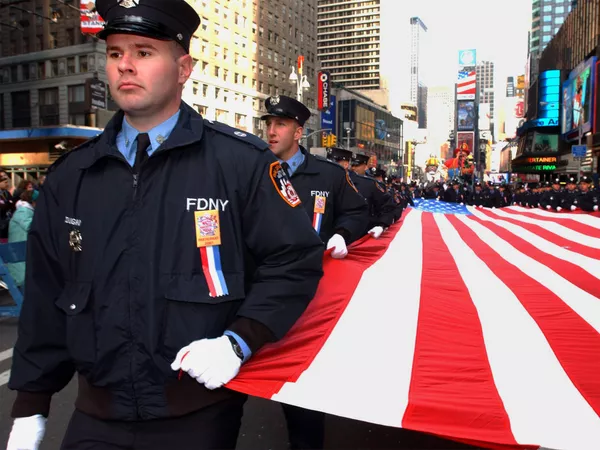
{"x": 18, "y": 230}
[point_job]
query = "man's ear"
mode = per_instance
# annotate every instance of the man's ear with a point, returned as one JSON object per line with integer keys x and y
{"x": 298, "y": 133}
{"x": 185, "y": 68}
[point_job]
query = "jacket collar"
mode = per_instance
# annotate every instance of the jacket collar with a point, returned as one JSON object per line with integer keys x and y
{"x": 188, "y": 130}
{"x": 309, "y": 166}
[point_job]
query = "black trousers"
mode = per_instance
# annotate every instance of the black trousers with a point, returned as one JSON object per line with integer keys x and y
{"x": 214, "y": 427}
{"x": 306, "y": 428}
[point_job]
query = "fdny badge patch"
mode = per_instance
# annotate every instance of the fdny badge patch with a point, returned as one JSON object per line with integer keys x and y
{"x": 283, "y": 185}
{"x": 320, "y": 204}
{"x": 208, "y": 229}
{"x": 380, "y": 187}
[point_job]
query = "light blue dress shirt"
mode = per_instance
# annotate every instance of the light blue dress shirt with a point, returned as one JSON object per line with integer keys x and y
{"x": 157, "y": 136}
{"x": 295, "y": 161}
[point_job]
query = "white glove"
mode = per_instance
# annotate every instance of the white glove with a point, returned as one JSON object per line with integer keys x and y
{"x": 548, "y": 207}
{"x": 27, "y": 433}
{"x": 573, "y": 207}
{"x": 338, "y": 244}
{"x": 558, "y": 208}
{"x": 462, "y": 204}
{"x": 376, "y": 232}
{"x": 212, "y": 362}
{"x": 595, "y": 207}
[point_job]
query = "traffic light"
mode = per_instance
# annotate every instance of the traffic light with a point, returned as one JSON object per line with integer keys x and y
{"x": 332, "y": 140}
{"x": 325, "y": 140}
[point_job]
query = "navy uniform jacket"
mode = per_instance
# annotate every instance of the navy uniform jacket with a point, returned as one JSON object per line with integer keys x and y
{"x": 118, "y": 311}
{"x": 551, "y": 198}
{"x": 492, "y": 198}
{"x": 507, "y": 198}
{"x": 569, "y": 198}
{"x": 325, "y": 188}
{"x": 587, "y": 200}
{"x": 454, "y": 196}
{"x": 477, "y": 199}
{"x": 380, "y": 202}
{"x": 395, "y": 193}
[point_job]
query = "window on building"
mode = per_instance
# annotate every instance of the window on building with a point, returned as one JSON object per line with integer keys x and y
{"x": 222, "y": 115}
{"x": 53, "y": 40}
{"x": 70, "y": 36}
{"x": 559, "y": 10}
{"x": 216, "y": 70}
{"x": 26, "y": 48}
{"x": 547, "y": 28}
{"x": 204, "y": 90}
{"x": 71, "y": 65}
{"x": 25, "y": 71}
{"x": 559, "y": 20}
{"x": 14, "y": 74}
{"x": 21, "y": 109}
{"x": 83, "y": 64}
{"x": 202, "y": 110}
{"x": 76, "y": 93}
{"x": 41, "y": 70}
{"x": 547, "y": 8}
{"x": 547, "y": 18}
{"x": 546, "y": 38}
{"x": 48, "y": 106}
{"x": 54, "y": 68}
{"x": 240, "y": 120}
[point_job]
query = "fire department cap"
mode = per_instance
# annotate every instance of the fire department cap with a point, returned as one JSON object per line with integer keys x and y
{"x": 586, "y": 179}
{"x": 556, "y": 181}
{"x": 360, "y": 159}
{"x": 339, "y": 154}
{"x": 284, "y": 106}
{"x": 158, "y": 19}
{"x": 572, "y": 180}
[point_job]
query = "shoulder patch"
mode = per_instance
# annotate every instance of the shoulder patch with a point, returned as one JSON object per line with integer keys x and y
{"x": 283, "y": 185}
{"x": 240, "y": 135}
{"x": 64, "y": 156}
{"x": 350, "y": 181}
{"x": 379, "y": 186}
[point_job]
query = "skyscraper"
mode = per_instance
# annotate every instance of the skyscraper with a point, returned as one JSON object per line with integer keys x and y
{"x": 485, "y": 84}
{"x": 349, "y": 41}
{"x": 418, "y": 88}
{"x": 547, "y": 16}
{"x": 440, "y": 115}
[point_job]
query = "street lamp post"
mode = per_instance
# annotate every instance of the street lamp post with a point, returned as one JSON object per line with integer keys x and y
{"x": 348, "y": 131}
{"x": 300, "y": 80}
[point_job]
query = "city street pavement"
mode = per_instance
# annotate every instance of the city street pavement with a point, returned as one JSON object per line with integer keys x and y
{"x": 263, "y": 426}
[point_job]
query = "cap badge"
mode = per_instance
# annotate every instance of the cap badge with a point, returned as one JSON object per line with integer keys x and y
{"x": 275, "y": 100}
{"x": 129, "y": 3}
{"x": 240, "y": 134}
{"x": 179, "y": 36}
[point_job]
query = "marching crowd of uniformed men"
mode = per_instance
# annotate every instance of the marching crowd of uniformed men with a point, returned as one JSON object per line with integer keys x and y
{"x": 154, "y": 301}
{"x": 563, "y": 193}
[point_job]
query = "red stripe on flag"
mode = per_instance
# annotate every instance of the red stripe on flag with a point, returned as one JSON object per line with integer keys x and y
{"x": 207, "y": 275}
{"x": 548, "y": 236}
{"x": 472, "y": 408}
{"x": 560, "y": 219}
{"x": 572, "y": 339}
{"x": 266, "y": 373}
{"x": 567, "y": 270}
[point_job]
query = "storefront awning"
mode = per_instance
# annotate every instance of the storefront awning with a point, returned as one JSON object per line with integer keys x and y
{"x": 21, "y": 134}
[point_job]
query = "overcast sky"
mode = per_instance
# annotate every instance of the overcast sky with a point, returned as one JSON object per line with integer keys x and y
{"x": 496, "y": 28}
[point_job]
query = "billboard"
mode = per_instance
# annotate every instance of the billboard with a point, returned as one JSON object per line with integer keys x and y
{"x": 90, "y": 20}
{"x": 466, "y": 115}
{"x": 324, "y": 90}
{"x": 467, "y": 57}
{"x": 466, "y": 86}
{"x": 578, "y": 100}
{"x": 328, "y": 116}
{"x": 466, "y": 138}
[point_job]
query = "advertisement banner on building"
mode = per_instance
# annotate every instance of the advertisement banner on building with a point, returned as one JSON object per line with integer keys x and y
{"x": 365, "y": 124}
{"x": 328, "y": 116}
{"x": 95, "y": 94}
{"x": 466, "y": 140}
{"x": 324, "y": 90}
{"x": 466, "y": 115}
{"x": 466, "y": 86}
{"x": 467, "y": 57}
{"x": 90, "y": 20}
{"x": 578, "y": 99}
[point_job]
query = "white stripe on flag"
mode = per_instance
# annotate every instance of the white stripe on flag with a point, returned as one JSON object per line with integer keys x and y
{"x": 212, "y": 268}
{"x": 554, "y": 227}
{"x": 358, "y": 368}
{"x": 588, "y": 264}
{"x": 585, "y": 219}
{"x": 582, "y": 302}
{"x": 541, "y": 401}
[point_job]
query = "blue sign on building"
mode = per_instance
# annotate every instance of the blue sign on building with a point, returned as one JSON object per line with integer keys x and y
{"x": 579, "y": 151}
{"x": 328, "y": 117}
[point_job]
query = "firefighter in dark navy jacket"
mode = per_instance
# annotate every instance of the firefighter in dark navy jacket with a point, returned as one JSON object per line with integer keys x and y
{"x": 162, "y": 255}
{"x": 381, "y": 204}
{"x": 337, "y": 211}
{"x": 339, "y": 215}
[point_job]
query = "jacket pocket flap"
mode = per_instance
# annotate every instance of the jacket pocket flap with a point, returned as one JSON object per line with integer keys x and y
{"x": 74, "y": 298}
{"x": 194, "y": 289}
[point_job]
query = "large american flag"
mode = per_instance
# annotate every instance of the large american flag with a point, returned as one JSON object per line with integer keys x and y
{"x": 480, "y": 325}
{"x": 467, "y": 83}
